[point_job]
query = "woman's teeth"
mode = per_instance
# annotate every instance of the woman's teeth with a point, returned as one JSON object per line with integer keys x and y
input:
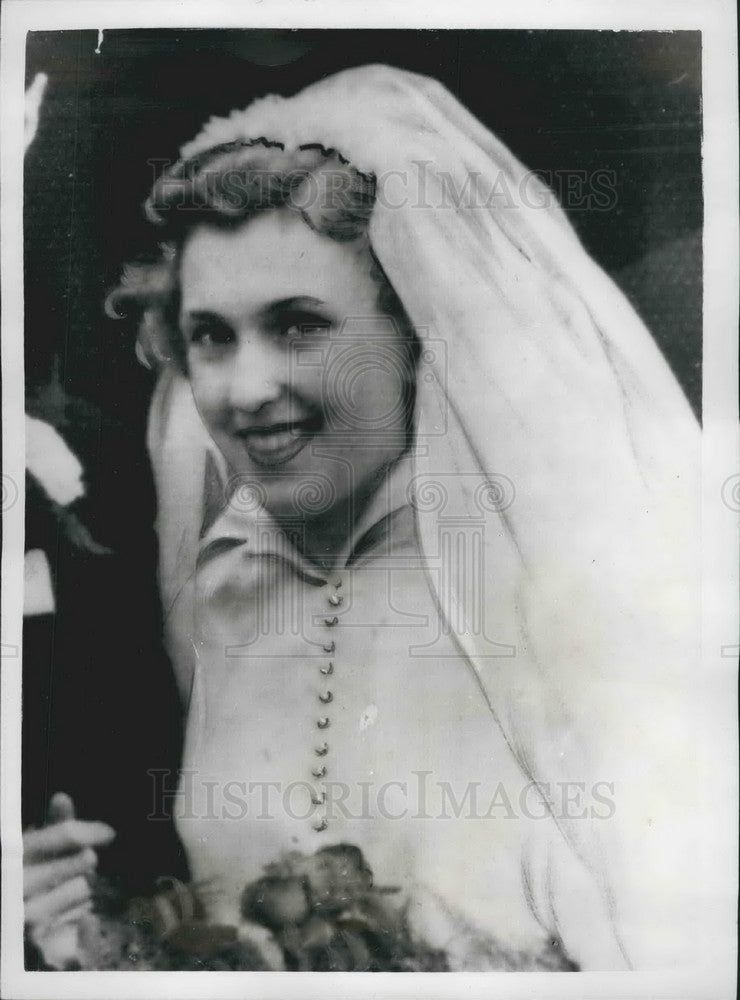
{"x": 272, "y": 446}
{"x": 273, "y": 441}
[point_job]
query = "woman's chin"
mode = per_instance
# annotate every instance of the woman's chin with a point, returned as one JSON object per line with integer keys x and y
{"x": 285, "y": 493}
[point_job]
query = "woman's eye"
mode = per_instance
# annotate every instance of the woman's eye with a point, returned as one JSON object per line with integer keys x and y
{"x": 211, "y": 334}
{"x": 303, "y": 325}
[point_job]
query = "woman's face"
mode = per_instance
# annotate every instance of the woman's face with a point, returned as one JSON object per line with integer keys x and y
{"x": 300, "y": 380}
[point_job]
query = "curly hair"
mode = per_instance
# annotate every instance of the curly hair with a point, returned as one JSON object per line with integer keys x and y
{"x": 226, "y": 186}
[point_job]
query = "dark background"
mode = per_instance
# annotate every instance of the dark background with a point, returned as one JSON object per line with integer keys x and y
{"x": 628, "y": 102}
{"x": 98, "y": 701}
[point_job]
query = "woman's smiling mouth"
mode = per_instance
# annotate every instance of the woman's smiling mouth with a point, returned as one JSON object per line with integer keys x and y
{"x": 275, "y": 444}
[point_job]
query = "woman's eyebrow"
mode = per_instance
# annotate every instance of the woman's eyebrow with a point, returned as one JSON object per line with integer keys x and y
{"x": 292, "y": 303}
{"x": 265, "y": 313}
{"x": 202, "y": 314}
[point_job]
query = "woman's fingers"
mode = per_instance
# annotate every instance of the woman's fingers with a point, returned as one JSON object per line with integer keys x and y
{"x": 43, "y": 876}
{"x": 69, "y": 836}
{"x": 60, "y": 941}
{"x": 74, "y": 914}
{"x": 57, "y": 860}
{"x": 42, "y": 933}
{"x": 49, "y": 907}
{"x": 61, "y": 807}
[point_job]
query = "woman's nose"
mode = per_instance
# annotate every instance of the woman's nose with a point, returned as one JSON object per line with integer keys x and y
{"x": 257, "y": 374}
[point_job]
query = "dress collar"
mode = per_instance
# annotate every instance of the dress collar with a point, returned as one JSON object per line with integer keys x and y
{"x": 236, "y": 522}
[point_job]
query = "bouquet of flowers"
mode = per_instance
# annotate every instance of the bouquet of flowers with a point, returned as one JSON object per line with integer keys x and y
{"x": 318, "y": 912}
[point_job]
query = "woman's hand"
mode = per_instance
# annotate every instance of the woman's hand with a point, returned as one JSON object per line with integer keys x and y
{"x": 57, "y": 860}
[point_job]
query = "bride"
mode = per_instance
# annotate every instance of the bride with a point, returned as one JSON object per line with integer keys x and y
{"x": 427, "y": 524}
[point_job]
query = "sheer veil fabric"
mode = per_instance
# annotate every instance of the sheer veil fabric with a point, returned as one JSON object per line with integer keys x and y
{"x": 550, "y": 422}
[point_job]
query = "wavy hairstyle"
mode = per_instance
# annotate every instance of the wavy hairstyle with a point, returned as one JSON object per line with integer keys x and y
{"x": 226, "y": 186}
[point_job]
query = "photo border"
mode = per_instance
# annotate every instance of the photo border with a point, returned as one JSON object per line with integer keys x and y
{"x": 716, "y": 20}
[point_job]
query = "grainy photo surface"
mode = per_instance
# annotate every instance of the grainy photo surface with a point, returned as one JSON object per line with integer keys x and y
{"x": 362, "y": 610}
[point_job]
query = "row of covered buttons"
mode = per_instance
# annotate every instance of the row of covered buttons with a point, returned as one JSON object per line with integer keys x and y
{"x": 326, "y": 697}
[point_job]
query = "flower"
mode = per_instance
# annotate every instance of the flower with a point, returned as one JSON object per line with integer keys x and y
{"x": 51, "y": 463}
{"x": 328, "y": 916}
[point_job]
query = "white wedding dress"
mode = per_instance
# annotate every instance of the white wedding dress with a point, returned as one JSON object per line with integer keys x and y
{"x": 543, "y": 383}
{"x": 418, "y": 774}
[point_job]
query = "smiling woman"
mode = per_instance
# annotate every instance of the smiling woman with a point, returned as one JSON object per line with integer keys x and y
{"x": 250, "y": 347}
{"x": 427, "y": 510}
{"x": 247, "y": 344}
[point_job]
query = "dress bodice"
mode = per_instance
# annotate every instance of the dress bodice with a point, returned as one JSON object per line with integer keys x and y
{"x": 331, "y": 708}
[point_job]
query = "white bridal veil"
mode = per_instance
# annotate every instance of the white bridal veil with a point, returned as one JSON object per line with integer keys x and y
{"x": 551, "y": 433}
